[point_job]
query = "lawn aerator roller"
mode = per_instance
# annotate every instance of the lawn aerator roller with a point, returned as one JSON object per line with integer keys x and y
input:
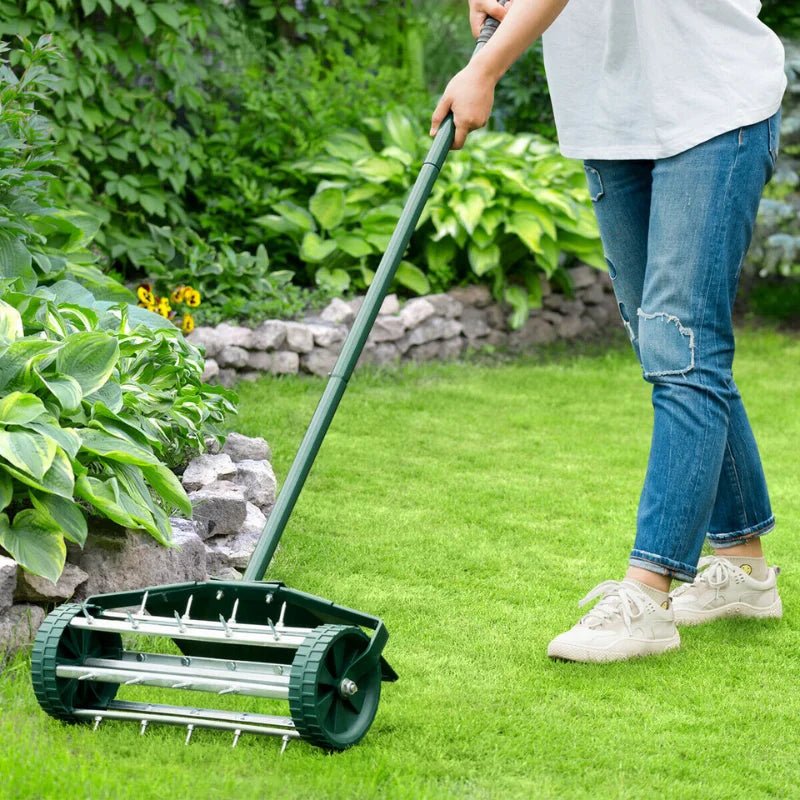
{"x": 252, "y": 637}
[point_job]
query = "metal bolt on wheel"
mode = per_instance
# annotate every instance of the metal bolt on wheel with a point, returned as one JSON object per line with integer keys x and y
{"x": 329, "y": 709}
{"x": 58, "y": 644}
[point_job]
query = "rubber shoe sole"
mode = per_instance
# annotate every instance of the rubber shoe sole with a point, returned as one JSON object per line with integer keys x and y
{"x": 564, "y": 651}
{"x": 729, "y": 611}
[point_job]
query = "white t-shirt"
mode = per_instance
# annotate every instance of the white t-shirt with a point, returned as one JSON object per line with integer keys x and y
{"x": 652, "y": 78}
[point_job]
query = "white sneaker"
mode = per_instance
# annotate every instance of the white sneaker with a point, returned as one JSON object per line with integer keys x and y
{"x": 721, "y": 589}
{"x": 626, "y": 623}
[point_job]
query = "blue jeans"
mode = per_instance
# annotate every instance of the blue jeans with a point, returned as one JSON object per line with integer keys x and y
{"x": 675, "y": 232}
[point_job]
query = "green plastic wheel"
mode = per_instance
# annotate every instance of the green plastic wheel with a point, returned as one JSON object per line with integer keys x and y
{"x": 56, "y": 644}
{"x": 326, "y": 710}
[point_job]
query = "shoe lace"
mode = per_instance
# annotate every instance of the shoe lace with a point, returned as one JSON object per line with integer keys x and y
{"x": 618, "y": 600}
{"x": 714, "y": 572}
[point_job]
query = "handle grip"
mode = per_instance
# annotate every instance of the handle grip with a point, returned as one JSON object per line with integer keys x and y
{"x": 488, "y": 28}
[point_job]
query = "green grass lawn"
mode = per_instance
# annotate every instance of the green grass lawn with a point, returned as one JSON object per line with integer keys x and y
{"x": 471, "y": 506}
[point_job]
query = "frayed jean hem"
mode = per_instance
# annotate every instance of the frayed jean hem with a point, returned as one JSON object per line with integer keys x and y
{"x": 731, "y": 539}
{"x": 662, "y": 565}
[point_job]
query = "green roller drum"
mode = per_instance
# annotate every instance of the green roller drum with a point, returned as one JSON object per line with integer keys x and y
{"x": 244, "y": 639}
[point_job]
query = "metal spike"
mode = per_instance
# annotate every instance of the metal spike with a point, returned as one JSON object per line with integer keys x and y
{"x": 134, "y": 681}
{"x": 189, "y": 730}
{"x": 88, "y": 676}
{"x": 269, "y": 599}
{"x": 230, "y": 690}
{"x": 232, "y": 620}
{"x": 188, "y": 606}
{"x": 143, "y": 727}
{"x": 285, "y": 744}
{"x": 133, "y": 622}
{"x": 236, "y": 734}
{"x": 181, "y": 626}
{"x": 280, "y": 618}
{"x": 182, "y": 685}
{"x": 142, "y": 609}
{"x": 89, "y": 617}
{"x": 97, "y": 720}
{"x": 272, "y": 627}
{"x": 228, "y": 631}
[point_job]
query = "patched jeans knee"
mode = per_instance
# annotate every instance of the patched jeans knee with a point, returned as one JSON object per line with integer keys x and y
{"x": 666, "y": 345}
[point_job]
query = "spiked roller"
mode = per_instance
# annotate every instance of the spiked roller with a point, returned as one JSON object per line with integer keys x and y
{"x": 238, "y": 640}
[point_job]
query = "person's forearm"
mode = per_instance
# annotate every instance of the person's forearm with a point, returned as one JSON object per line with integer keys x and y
{"x": 524, "y": 23}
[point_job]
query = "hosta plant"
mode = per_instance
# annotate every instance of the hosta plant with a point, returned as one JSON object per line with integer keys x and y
{"x": 502, "y": 210}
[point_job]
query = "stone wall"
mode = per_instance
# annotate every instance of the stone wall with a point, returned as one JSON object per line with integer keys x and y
{"x": 441, "y": 326}
{"x": 776, "y": 244}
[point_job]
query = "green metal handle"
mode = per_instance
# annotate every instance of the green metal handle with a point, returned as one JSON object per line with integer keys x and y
{"x": 355, "y": 341}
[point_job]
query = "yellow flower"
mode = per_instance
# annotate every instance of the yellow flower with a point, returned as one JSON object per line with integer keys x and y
{"x": 187, "y": 326}
{"x": 178, "y": 294}
{"x": 145, "y": 295}
{"x": 191, "y": 297}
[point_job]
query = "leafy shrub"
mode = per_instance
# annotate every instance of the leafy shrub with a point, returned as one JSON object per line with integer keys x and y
{"x": 502, "y": 210}
{"x": 97, "y": 397}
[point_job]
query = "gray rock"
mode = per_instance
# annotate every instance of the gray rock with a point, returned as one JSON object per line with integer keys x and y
{"x": 251, "y": 376}
{"x": 415, "y": 312}
{"x": 206, "y": 469}
{"x": 387, "y": 329}
{"x": 598, "y": 313}
{"x": 18, "y": 626}
{"x": 588, "y": 326}
{"x": 338, "y": 312}
{"x": 212, "y": 445}
{"x": 496, "y": 317}
{"x": 582, "y": 276}
{"x": 379, "y": 354}
{"x": 8, "y": 582}
{"x": 269, "y": 335}
{"x": 544, "y": 282}
{"x": 259, "y": 483}
{"x": 234, "y": 551}
{"x": 390, "y": 305}
{"x": 593, "y": 295}
{"x": 497, "y": 338}
{"x": 206, "y": 338}
{"x": 117, "y": 559}
{"x": 246, "y": 448}
{"x": 220, "y": 506}
{"x": 445, "y": 305}
{"x": 299, "y": 337}
{"x": 233, "y": 336}
{"x": 569, "y": 327}
{"x": 573, "y": 307}
{"x": 36, "y": 589}
{"x": 452, "y": 348}
{"x": 227, "y": 377}
{"x": 535, "y": 331}
{"x": 474, "y": 322}
{"x": 553, "y": 302}
{"x": 327, "y": 335}
{"x": 551, "y": 316}
{"x": 478, "y": 295}
{"x": 424, "y": 352}
{"x": 210, "y": 370}
{"x": 259, "y": 360}
{"x": 232, "y": 356}
{"x": 434, "y": 328}
{"x": 285, "y": 362}
{"x": 319, "y": 361}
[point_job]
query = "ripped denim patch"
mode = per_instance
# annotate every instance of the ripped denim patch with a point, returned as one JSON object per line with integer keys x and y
{"x": 666, "y": 346}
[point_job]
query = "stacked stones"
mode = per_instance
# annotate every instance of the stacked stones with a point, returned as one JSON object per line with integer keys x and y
{"x": 440, "y": 326}
{"x": 776, "y": 242}
{"x": 231, "y": 491}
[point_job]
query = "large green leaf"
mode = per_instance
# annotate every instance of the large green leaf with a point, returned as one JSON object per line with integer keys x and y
{"x": 20, "y": 356}
{"x": 327, "y": 206}
{"x": 65, "y": 514}
{"x": 164, "y": 481}
{"x": 297, "y": 216}
{"x": 347, "y": 145}
{"x": 90, "y": 358}
{"x": 353, "y": 245}
{"x": 483, "y": 259}
{"x": 59, "y": 479}
{"x": 66, "y": 437}
{"x": 469, "y": 208}
{"x": 34, "y": 542}
{"x": 19, "y": 408}
{"x": 400, "y": 131}
{"x": 314, "y": 249}
{"x": 27, "y": 451}
{"x": 517, "y": 298}
{"x": 65, "y": 389}
{"x": 15, "y": 262}
{"x": 10, "y": 323}
{"x": 6, "y": 489}
{"x": 412, "y": 277}
{"x": 104, "y": 495}
{"x": 528, "y": 229}
{"x": 100, "y": 443}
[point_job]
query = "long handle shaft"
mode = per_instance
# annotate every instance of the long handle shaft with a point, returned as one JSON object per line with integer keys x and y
{"x": 355, "y": 341}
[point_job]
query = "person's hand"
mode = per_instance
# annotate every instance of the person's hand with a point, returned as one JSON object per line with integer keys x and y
{"x": 470, "y": 96}
{"x": 480, "y": 9}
